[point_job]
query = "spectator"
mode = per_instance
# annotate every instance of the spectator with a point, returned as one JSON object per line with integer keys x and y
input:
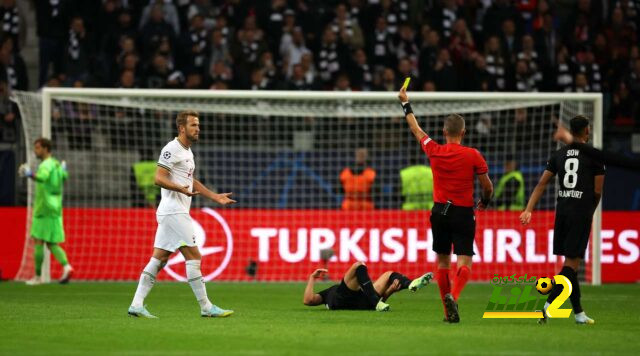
{"x": 247, "y": 50}
{"x": 259, "y": 81}
{"x": 292, "y": 48}
{"x": 497, "y": 14}
{"x": 204, "y": 8}
{"x": 381, "y": 46}
{"x": 390, "y": 13}
{"x": 564, "y": 72}
{"x": 219, "y": 48}
{"x": 509, "y": 43}
{"x": 546, "y": 39}
{"x": 52, "y": 19}
{"x": 496, "y": 65}
{"x": 388, "y": 80}
{"x": 581, "y": 84}
{"x": 525, "y": 78}
{"x": 269, "y": 69}
{"x": 330, "y": 56}
{"x": 625, "y": 111}
{"x": 80, "y": 117}
{"x": 480, "y": 78}
{"x": 461, "y": 45}
{"x": 346, "y": 28}
{"x": 9, "y": 115}
{"x": 195, "y": 45}
{"x": 361, "y": 74}
{"x": 357, "y": 183}
{"x": 168, "y": 13}
{"x": 585, "y": 64}
{"x": 309, "y": 69}
{"x": 156, "y": 30}
{"x": 444, "y": 75}
{"x": 79, "y": 53}
{"x": 406, "y": 47}
{"x": 429, "y": 55}
{"x": 13, "y": 70}
{"x": 220, "y": 72}
{"x": 298, "y": 80}
{"x": 445, "y": 17}
{"x": 160, "y": 74}
{"x": 13, "y": 23}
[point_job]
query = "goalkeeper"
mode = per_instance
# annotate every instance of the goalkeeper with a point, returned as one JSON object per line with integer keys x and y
{"x": 46, "y": 226}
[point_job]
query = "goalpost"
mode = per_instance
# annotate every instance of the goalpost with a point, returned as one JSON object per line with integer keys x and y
{"x": 281, "y": 153}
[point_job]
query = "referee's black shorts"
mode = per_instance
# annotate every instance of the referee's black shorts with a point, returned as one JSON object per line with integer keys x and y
{"x": 571, "y": 234}
{"x": 457, "y": 228}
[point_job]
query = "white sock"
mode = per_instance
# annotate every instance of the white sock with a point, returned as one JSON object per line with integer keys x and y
{"x": 546, "y": 305}
{"x": 147, "y": 278}
{"x": 581, "y": 315}
{"x": 194, "y": 276}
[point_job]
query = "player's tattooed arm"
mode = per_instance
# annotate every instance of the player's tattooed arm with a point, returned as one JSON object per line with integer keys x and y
{"x": 163, "y": 180}
{"x": 409, "y": 116}
{"x": 222, "y": 198}
{"x": 310, "y": 298}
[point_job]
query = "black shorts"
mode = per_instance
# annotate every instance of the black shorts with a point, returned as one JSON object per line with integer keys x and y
{"x": 458, "y": 227}
{"x": 341, "y": 297}
{"x": 571, "y": 234}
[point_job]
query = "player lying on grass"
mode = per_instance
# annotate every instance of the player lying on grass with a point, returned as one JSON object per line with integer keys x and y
{"x": 356, "y": 291}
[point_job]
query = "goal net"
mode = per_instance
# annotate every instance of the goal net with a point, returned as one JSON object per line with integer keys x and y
{"x": 283, "y": 155}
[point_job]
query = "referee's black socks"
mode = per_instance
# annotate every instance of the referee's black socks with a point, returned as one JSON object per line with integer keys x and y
{"x": 404, "y": 280}
{"x": 572, "y": 276}
{"x": 362, "y": 275}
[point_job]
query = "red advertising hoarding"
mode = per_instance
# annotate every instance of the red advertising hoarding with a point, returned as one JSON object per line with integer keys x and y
{"x": 115, "y": 244}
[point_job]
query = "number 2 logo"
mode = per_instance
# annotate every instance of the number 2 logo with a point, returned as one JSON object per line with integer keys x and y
{"x": 554, "y": 311}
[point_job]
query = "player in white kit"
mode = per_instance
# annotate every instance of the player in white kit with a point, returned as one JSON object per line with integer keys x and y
{"x": 174, "y": 175}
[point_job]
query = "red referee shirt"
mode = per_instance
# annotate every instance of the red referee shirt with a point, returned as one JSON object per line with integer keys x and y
{"x": 454, "y": 170}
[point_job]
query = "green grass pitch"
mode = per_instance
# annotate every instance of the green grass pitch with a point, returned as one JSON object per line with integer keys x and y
{"x": 91, "y": 318}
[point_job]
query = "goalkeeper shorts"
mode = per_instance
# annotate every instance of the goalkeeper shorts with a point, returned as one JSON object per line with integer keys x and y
{"x": 48, "y": 229}
{"x": 174, "y": 231}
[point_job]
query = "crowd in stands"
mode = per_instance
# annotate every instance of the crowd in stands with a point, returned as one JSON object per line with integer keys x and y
{"x": 363, "y": 45}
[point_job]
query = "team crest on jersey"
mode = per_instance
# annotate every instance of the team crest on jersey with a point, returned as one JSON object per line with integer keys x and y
{"x": 166, "y": 155}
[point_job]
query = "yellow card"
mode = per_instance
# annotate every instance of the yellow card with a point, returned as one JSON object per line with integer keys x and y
{"x": 406, "y": 83}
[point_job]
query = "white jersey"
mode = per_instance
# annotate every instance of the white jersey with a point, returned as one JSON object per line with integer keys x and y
{"x": 178, "y": 160}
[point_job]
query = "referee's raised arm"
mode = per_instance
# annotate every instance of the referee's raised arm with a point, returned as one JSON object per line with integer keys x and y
{"x": 408, "y": 114}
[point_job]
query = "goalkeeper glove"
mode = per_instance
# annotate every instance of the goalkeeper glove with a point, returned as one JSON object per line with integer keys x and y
{"x": 25, "y": 170}
{"x": 63, "y": 165}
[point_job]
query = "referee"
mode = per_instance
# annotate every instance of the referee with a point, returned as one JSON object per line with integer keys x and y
{"x": 453, "y": 220}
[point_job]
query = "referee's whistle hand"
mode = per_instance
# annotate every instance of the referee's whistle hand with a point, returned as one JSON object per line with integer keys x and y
{"x": 402, "y": 95}
{"x": 525, "y": 218}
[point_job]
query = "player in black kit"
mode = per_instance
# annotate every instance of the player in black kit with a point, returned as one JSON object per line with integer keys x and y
{"x": 580, "y": 181}
{"x": 356, "y": 291}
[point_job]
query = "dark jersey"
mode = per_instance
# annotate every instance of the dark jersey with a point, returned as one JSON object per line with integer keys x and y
{"x": 576, "y": 172}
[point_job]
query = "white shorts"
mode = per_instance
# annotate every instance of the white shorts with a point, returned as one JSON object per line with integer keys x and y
{"x": 174, "y": 231}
